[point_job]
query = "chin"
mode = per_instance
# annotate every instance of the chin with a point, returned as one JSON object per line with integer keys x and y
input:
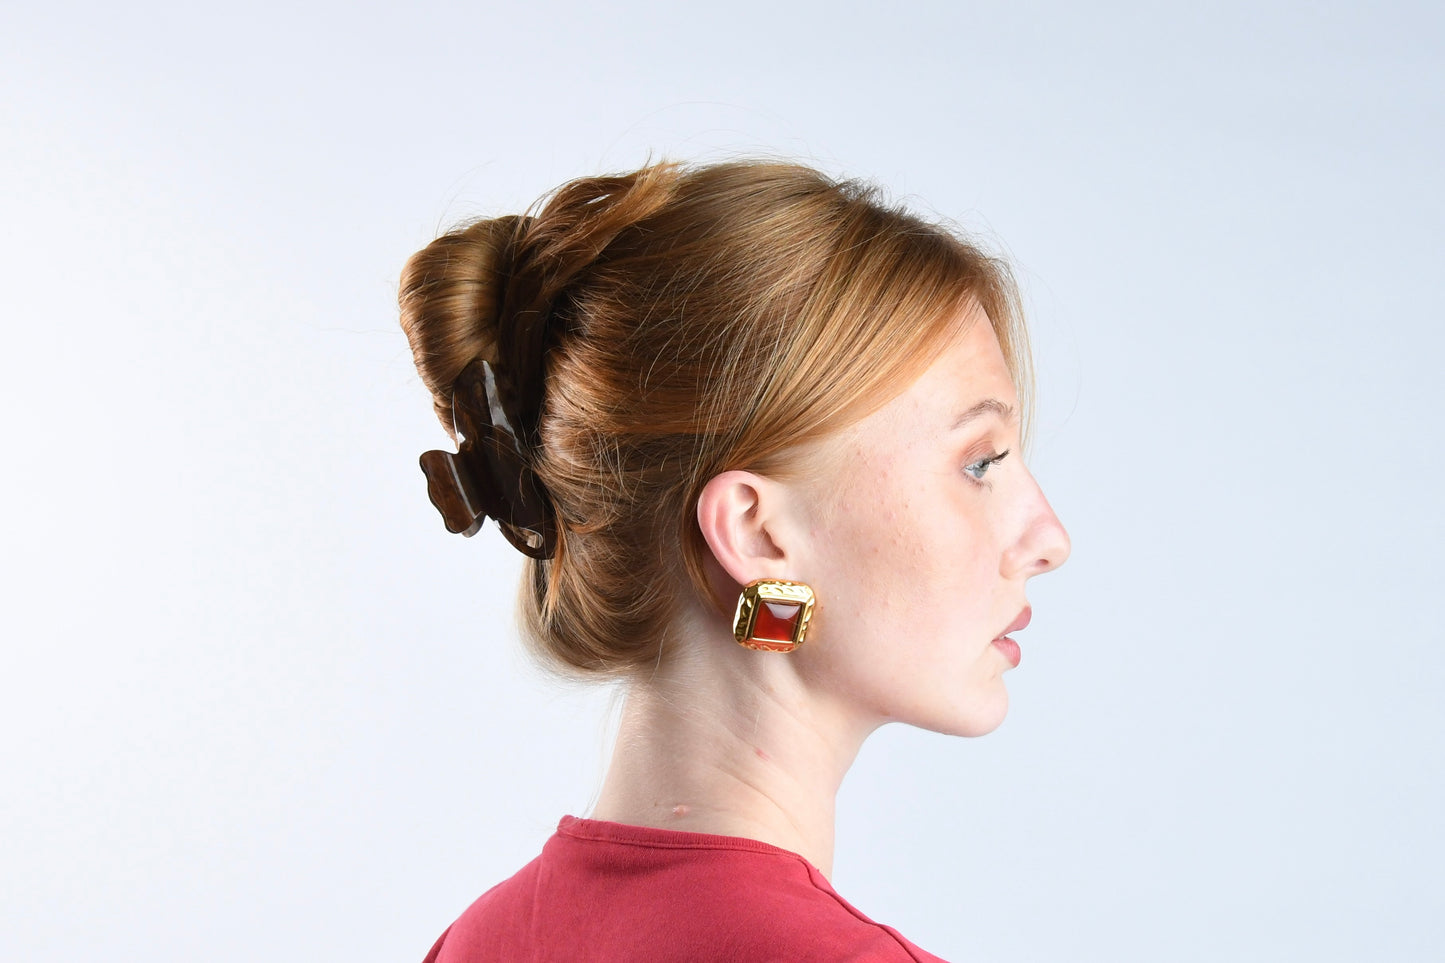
{"x": 976, "y": 717}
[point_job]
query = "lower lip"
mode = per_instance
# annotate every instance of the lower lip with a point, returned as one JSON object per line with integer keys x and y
{"x": 1010, "y": 650}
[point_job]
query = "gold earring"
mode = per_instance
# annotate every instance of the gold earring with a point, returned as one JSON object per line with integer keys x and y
{"x": 773, "y": 615}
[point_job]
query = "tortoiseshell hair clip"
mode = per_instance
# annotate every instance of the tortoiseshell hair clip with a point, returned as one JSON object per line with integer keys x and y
{"x": 489, "y": 475}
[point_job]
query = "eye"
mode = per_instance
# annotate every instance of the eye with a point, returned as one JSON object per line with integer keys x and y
{"x": 980, "y": 468}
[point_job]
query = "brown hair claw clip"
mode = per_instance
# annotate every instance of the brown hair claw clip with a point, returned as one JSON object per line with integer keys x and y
{"x": 489, "y": 475}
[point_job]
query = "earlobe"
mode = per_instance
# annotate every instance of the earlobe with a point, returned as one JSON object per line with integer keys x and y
{"x": 743, "y": 519}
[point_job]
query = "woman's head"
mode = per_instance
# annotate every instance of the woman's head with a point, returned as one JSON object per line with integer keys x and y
{"x": 921, "y": 530}
{"x": 686, "y": 322}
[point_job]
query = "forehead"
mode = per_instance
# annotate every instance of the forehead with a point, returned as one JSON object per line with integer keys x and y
{"x": 970, "y": 376}
{"x": 919, "y": 429}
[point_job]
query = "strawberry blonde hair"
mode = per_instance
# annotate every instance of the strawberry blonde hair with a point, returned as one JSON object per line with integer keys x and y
{"x": 653, "y": 329}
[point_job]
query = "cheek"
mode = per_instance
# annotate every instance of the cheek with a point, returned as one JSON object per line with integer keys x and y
{"x": 872, "y": 546}
{"x": 904, "y": 564}
{"x": 858, "y": 566}
{"x": 907, "y": 584}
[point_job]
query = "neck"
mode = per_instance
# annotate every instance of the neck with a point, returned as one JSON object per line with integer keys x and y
{"x": 729, "y": 741}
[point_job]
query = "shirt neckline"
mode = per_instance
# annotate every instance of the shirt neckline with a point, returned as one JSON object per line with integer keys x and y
{"x": 601, "y": 830}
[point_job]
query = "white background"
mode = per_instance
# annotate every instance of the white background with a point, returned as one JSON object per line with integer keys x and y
{"x": 256, "y": 704}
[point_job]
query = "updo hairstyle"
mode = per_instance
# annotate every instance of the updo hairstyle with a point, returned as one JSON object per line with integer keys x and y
{"x": 653, "y": 329}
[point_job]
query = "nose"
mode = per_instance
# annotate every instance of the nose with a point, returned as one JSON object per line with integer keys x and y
{"x": 1043, "y": 544}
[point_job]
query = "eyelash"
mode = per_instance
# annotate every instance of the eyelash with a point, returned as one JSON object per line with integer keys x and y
{"x": 980, "y": 468}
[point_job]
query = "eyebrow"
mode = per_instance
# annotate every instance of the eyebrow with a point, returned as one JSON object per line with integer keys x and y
{"x": 984, "y": 407}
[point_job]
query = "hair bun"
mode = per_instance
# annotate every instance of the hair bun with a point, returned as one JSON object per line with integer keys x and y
{"x": 451, "y": 298}
{"x": 550, "y": 255}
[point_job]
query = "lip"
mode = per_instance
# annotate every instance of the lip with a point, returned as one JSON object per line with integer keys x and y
{"x": 1008, "y": 646}
{"x": 1020, "y": 623}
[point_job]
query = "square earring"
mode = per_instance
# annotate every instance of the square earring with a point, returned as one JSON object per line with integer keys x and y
{"x": 773, "y": 615}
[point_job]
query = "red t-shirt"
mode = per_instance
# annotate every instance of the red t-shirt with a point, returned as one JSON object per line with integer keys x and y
{"x": 607, "y": 892}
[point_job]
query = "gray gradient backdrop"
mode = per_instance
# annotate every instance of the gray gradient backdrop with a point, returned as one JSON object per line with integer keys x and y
{"x": 256, "y": 704}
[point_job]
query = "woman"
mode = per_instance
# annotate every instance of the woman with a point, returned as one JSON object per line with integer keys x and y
{"x": 739, "y": 403}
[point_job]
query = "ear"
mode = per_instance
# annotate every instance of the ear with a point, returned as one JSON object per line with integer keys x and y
{"x": 748, "y": 522}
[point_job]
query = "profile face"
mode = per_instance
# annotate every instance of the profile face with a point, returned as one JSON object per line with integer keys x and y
{"x": 925, "y": 527}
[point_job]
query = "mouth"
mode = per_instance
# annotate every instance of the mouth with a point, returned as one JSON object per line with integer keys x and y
{"x": 1008, "y": 646}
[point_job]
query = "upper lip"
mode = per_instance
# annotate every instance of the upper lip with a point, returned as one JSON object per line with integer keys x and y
{"x": 1020, "y": 623}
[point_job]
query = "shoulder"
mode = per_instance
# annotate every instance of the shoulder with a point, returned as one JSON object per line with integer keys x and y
{"x": 799, "y": 916}
{"x": 603, "y": 892}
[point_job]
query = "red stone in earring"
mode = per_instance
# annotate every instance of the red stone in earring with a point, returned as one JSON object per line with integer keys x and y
{"x": 773, "y": 615}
